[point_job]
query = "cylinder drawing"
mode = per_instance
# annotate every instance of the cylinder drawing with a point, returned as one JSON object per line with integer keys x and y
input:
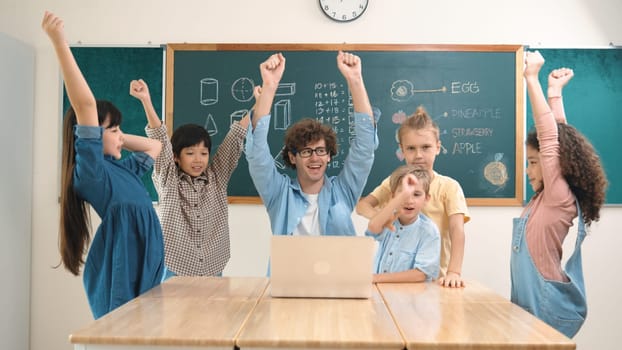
{"x": 209, "y": 91}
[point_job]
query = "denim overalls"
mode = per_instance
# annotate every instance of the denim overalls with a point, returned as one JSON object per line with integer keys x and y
{"x": 560, "y": 304}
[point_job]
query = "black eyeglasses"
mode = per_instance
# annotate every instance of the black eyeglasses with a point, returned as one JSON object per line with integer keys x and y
{"x": 307, "y": 152}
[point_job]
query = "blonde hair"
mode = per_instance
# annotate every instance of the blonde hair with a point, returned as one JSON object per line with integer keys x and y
{"x": 398, "y": 175}
{"x": 420, "y": 120}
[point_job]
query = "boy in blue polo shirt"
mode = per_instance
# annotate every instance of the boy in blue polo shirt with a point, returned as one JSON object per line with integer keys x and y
{"x": 409, "y": 242}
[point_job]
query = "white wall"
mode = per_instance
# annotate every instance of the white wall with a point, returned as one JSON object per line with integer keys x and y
{"x": 58, "y": 304}
{"x": 17, "y": 71}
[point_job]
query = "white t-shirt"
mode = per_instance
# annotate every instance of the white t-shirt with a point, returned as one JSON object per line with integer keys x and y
{"x": 309, "y": 225}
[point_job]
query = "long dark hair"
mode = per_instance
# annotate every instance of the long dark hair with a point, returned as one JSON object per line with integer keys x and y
{"x": 75, "y": 222}
{"x": 581, "y": 168}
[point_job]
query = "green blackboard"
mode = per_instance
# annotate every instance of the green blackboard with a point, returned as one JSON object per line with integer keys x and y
{"x": 109, "y": 70}
{"x": 592, "y": 103}
{"x": 474, "y": 93}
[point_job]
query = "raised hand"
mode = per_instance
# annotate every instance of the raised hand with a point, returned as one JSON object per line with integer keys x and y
{"x": 533, "y": 63}
{"x": 247, "y": 118}
{"x": 409, "y": 182}
{"x": 349, "y": 65}
{"x": 53, "y": 27}
{"x": 408, "y": 185}
{"x": 78, "y": 91}
{"x": 558, "y": 78}
{"x": 140, "y": 90}
{"x": 272, "y": 70}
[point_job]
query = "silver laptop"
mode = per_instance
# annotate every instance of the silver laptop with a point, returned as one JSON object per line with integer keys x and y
{"x": 321, "y": 266}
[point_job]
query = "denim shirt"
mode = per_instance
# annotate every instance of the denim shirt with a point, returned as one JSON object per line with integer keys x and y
{"x": 282, "y": 195}
{"x": 413, "y": 246}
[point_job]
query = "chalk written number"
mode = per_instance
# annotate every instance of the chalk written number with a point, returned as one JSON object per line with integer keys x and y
{"x": 343, "y": 10}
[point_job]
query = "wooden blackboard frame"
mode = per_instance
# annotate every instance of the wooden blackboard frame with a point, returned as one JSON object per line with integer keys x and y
{"x": 515, "y": 200}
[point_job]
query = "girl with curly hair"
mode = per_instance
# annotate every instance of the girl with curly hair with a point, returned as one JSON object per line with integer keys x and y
{"x": 569, "y": 182}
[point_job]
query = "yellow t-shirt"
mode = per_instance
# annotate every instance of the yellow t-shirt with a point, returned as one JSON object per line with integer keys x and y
{"x": 446, "y": 199}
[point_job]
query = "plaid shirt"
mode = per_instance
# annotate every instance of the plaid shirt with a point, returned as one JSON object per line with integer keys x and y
{"x": 194, "y": 212}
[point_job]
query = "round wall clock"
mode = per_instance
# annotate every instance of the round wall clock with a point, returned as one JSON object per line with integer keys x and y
{"x": 343, "y": 10}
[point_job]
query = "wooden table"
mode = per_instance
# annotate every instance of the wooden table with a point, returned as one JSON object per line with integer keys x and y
{"x": 183, "y": 313}
{"x": 433, "y": 317}
{"x": 320, "y": 324}
{"x": 189, "y": 313}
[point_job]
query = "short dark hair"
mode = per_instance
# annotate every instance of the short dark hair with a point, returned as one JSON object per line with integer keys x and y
{"x": 189, "y": 135}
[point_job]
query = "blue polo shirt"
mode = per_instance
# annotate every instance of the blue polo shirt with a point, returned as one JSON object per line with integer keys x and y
{"x": 413, "y": 246}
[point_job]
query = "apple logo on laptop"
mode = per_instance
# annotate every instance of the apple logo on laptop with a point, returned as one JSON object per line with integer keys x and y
{"x": 321, "y": 268}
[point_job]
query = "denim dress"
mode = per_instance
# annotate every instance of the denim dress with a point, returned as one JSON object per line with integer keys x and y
{"x": 126, "y": 256}
{"x": 562, "y": 305}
